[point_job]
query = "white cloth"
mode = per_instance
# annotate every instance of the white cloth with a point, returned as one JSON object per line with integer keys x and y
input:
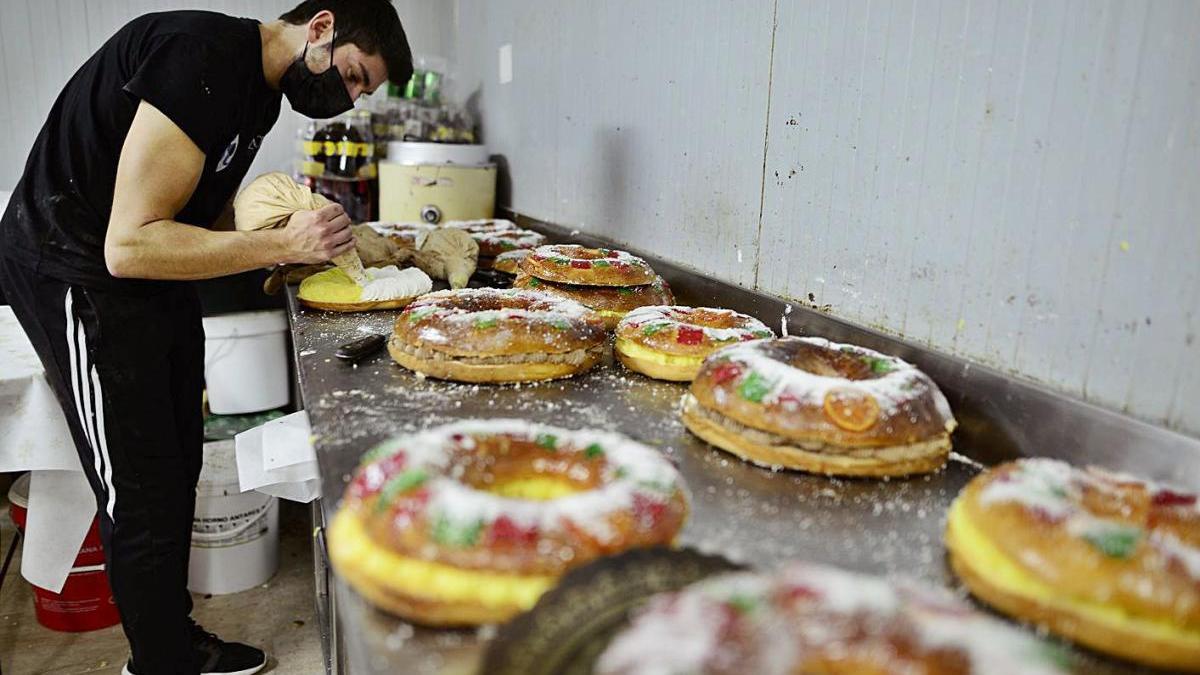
{"x": 34, "y": 436}
{"x": 278, "y": 459}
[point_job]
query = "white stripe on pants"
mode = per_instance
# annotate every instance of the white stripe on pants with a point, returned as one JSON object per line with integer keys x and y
{"x": 89, "y": 401}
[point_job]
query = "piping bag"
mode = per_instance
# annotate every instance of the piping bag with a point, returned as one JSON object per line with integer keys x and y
{"x": 271, "y": 199}
{"x": 444, "y": 253}
{"x": 447, "y": 253}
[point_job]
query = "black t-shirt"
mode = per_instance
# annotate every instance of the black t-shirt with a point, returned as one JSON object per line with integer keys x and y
{"x": 203, "y": 70}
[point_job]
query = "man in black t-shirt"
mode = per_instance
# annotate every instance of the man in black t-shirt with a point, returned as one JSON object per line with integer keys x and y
{"x": 124, "y": 198}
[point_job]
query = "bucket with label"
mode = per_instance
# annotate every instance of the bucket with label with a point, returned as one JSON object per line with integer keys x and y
{"x": 86, "y": 601}
{"x": 235, "y": 534}
{"x": 246, "y": 361}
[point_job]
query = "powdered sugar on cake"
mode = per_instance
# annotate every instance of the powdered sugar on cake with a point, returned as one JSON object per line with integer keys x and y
{"x": 631, "y": 472}
{"x": 899, "y": 384}
{"x": 673, "y": 316}
{"x": 743, "y": 622}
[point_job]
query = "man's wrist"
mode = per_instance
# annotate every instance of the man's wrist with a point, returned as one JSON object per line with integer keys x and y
{"x": 276, "y": 249}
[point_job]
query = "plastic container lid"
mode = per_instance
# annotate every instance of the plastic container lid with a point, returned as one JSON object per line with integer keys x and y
{"x": 413, "y": 153}
{"x": 245, "y": 324}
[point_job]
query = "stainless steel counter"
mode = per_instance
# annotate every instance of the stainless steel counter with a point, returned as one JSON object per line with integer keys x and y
{"x": 741, "y": 511}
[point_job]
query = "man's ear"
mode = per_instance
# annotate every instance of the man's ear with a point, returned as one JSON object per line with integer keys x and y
{"x": 320, "y": 28}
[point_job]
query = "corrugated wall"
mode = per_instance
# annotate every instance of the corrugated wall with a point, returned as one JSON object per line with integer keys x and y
{"x": 1014, "y": 182}
{"x": 43, "y": 43}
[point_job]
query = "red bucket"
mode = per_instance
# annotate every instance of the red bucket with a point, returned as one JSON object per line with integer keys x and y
{"x": 86, "y": 602}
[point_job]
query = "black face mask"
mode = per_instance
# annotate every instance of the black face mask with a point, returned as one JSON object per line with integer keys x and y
{"x": 316, "y": 95}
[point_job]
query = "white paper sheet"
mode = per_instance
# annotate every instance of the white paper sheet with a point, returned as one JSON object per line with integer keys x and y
{"x": 61, "y": 510}
{"x": 33, "y": 432}
{"x": 278, "y": 459}
{"x": 34, "y": 436}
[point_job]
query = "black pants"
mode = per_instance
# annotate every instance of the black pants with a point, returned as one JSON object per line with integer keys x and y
{"x": 129, "y": 373}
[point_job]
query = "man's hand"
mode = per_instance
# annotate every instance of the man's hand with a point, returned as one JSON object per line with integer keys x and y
{"x": 313, "y": 237}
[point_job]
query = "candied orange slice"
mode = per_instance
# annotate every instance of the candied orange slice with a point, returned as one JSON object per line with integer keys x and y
{"x": 851, "y": 410}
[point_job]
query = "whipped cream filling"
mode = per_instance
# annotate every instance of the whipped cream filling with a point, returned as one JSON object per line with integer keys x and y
{"x": 390, "y": 283}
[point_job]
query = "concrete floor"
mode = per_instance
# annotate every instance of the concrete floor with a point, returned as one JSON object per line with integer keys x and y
{"x": 277, "y": 617}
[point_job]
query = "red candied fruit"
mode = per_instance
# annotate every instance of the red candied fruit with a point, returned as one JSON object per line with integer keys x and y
{"x": 505, "y": 530}
{"x": 1171, "y": 498}
{"x": 371, "y": 478}
{"x": 730, "y": 619}
{"x": 797, "y": 593}
{"x": 726, "y": 372}
{"x": 786, "y": 396}
{"x": 688, "y": 335}
{"x": 648, "y": 511}
{"x": 581, "y": 264}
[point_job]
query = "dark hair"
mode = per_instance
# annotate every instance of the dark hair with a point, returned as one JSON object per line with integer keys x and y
{"x": 373, "y": 25}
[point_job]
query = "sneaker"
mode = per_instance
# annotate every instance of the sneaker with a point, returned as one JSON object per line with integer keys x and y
{"x": 217, "y": 657}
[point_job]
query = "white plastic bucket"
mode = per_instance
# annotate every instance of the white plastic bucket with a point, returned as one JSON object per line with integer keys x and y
{"x": 235, "y": 535}
{"x": 245, "y": 361}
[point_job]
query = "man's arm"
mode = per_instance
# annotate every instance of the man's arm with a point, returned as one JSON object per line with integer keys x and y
{"x": 156, "y": 175}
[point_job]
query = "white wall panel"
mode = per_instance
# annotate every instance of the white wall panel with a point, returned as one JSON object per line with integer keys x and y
{"x": 43, "y": 43}
{"x": 1013, "y": 191}
{"x": 1013, "y": 181}
{"x": 643, "y": 121}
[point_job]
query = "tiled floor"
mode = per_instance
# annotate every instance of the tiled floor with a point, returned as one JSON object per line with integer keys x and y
{"x": 277, "y": 616}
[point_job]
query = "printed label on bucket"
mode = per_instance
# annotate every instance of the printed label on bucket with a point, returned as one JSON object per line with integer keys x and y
{"x": 231, "y": 530}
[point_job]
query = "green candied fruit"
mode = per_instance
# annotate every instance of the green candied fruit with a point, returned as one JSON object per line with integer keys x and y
{"x": 534, "y": 282}
{"x": 507, "y": 245}
{"x": 1115, "y": 540}
{"x": 601, "y": 263}
{"x": 547, "y": 441}
{"x": 761, "y": 334}
{"x": 404, "y": 482}
{"x": 420, "y": 314}
{"x": 593, "y": 451}
{"x": 560, "y": 324}
{"x": 654, "y": 328}
{"x": 488, "y": 322}
{"x": 463, "y": 535}
{"x": 880, "y": 366}
{"x": 743, "y": 603}
{"x": 658, "y": 487}
{"x": 624, "y": 291}
{"x": 754, "y": 388}
{"x": 560, "y": 261}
